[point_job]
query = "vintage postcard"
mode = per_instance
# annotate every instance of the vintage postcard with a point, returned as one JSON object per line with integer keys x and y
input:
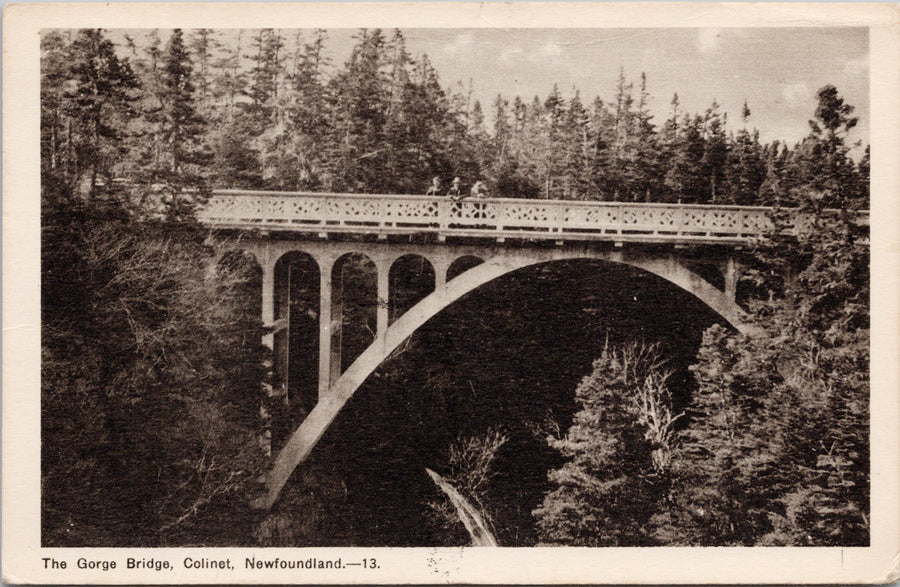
{"x": 387, "y": 293}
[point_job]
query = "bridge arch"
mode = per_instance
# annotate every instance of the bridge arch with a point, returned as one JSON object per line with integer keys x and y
{"x": 411, "y": 278}
{"x": 296, "y": 306}
{"x": 354, "y": 320}
{"x": 307, "y": 435}
{"x": 462, "y": 264}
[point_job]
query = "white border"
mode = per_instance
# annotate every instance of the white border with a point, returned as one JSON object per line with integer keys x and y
{"x": 21, "y": 554}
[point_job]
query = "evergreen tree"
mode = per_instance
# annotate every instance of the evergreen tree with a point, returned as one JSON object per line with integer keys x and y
{"x": 647, "y": 172}
{"x": 171, "y": 174}
{"x": 617, "y": 449}
{"x": 235, "y": 157}
{"x": 773, "y": 187}
{"x": 580, "y": 158}
{"x": 602, "y": 125}
{"x": 203, "y": 45}
{"x": 824, "y": 164}
{"x": 301, "y": 165}
{"x": 621, "y": 169}
{"x": 715, "y": 153}
{"x": 668, "y": 145}
{"x": 358, "y": 115}
{"x": 58, "y": 154}
{"x": 91, "y": 107}
{"x": 745, "y": 168}
{"x": 777, "y": 450}
{"x": 684, "y": 174}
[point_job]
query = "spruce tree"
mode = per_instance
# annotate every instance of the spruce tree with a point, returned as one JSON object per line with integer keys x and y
{"x": 97, "y": 103}
{"x": 617, "y": 449}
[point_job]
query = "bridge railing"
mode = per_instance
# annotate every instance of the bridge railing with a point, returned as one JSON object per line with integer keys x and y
{"x": 501, "y": 217}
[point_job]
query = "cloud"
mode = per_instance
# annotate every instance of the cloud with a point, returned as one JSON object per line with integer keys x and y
{"x": 461, "y": 43}
{"x": 796, "y": 93}
{"x": 550, "y": 49}
{"x": 510, "y": 52}
{"x": 708, "y": 40}
{"x": 549, "y": 52}
{"x": 857, "y": 66}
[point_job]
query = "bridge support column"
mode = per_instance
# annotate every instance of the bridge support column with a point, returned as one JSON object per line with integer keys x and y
{"x": 282, "y": 334}
{"x": 441, "y": 265}
{"x": 268, "y": 301}
{"x": 382, "y": 311}
{"x": 325, "y": 321}
{"x": 731, "y": 277}
{"x": 336, "y": 326}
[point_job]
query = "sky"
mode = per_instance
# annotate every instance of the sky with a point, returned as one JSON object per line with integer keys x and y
{"x": 776, "y": 70}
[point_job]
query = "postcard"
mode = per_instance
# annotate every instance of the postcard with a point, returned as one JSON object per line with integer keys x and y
{"x": 386, "y": 293}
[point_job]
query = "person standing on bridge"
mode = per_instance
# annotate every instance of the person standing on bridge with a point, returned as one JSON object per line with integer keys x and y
{"x": 454, "y": 192}
{"x": 435, "y": 187}
{"x": 479, "y": 190}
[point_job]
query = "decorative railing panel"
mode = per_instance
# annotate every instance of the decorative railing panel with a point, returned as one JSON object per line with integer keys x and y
{"x": 591, "y": 217}
{"x": 541, "y": 219}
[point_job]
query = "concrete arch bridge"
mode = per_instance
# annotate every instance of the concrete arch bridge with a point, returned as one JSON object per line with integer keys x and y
{"x": 464, "y": 245}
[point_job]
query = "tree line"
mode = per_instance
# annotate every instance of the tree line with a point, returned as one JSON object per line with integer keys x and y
{"x": 265, "y": 109}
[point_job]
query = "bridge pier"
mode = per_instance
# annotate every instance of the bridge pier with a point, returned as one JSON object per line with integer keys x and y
{"x": 441, "y": 266}
{"x": 731, "y": 274}
{"x": 330, "y": 329}
{"x": 382, "y": 312}
{"x": 282, "y": 331}
{"x": 324, "y": 328}
{"x": 268, "y": 300}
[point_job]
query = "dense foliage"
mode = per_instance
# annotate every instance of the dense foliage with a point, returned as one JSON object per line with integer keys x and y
{"x": 775, "y": 447}
{"x": 153, "y": 371}
{"x": 777, "y": 451}
{"x": 152, "y": 374}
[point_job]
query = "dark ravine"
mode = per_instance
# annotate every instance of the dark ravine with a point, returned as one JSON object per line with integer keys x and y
{"x": 508, "y": 355}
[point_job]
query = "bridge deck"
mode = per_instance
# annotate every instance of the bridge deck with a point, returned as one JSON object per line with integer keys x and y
{"x": 500, "y": 218}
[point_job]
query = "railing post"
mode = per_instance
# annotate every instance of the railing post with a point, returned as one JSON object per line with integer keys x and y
{"x": 323, "y": 217}
{"x": 443, "y": 214}
{"x": 560, "y": 216}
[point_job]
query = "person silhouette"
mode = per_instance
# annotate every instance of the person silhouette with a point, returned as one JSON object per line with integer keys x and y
{"x": 479, "y": 190}
{"x": 435, "y": 186}
{"x": 454, "y": 192}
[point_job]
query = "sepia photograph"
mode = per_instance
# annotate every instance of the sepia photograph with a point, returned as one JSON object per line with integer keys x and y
{"x": 308, "y": 293}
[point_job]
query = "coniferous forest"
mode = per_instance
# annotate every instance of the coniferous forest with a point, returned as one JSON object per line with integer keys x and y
{"x": 639, "y": 419}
